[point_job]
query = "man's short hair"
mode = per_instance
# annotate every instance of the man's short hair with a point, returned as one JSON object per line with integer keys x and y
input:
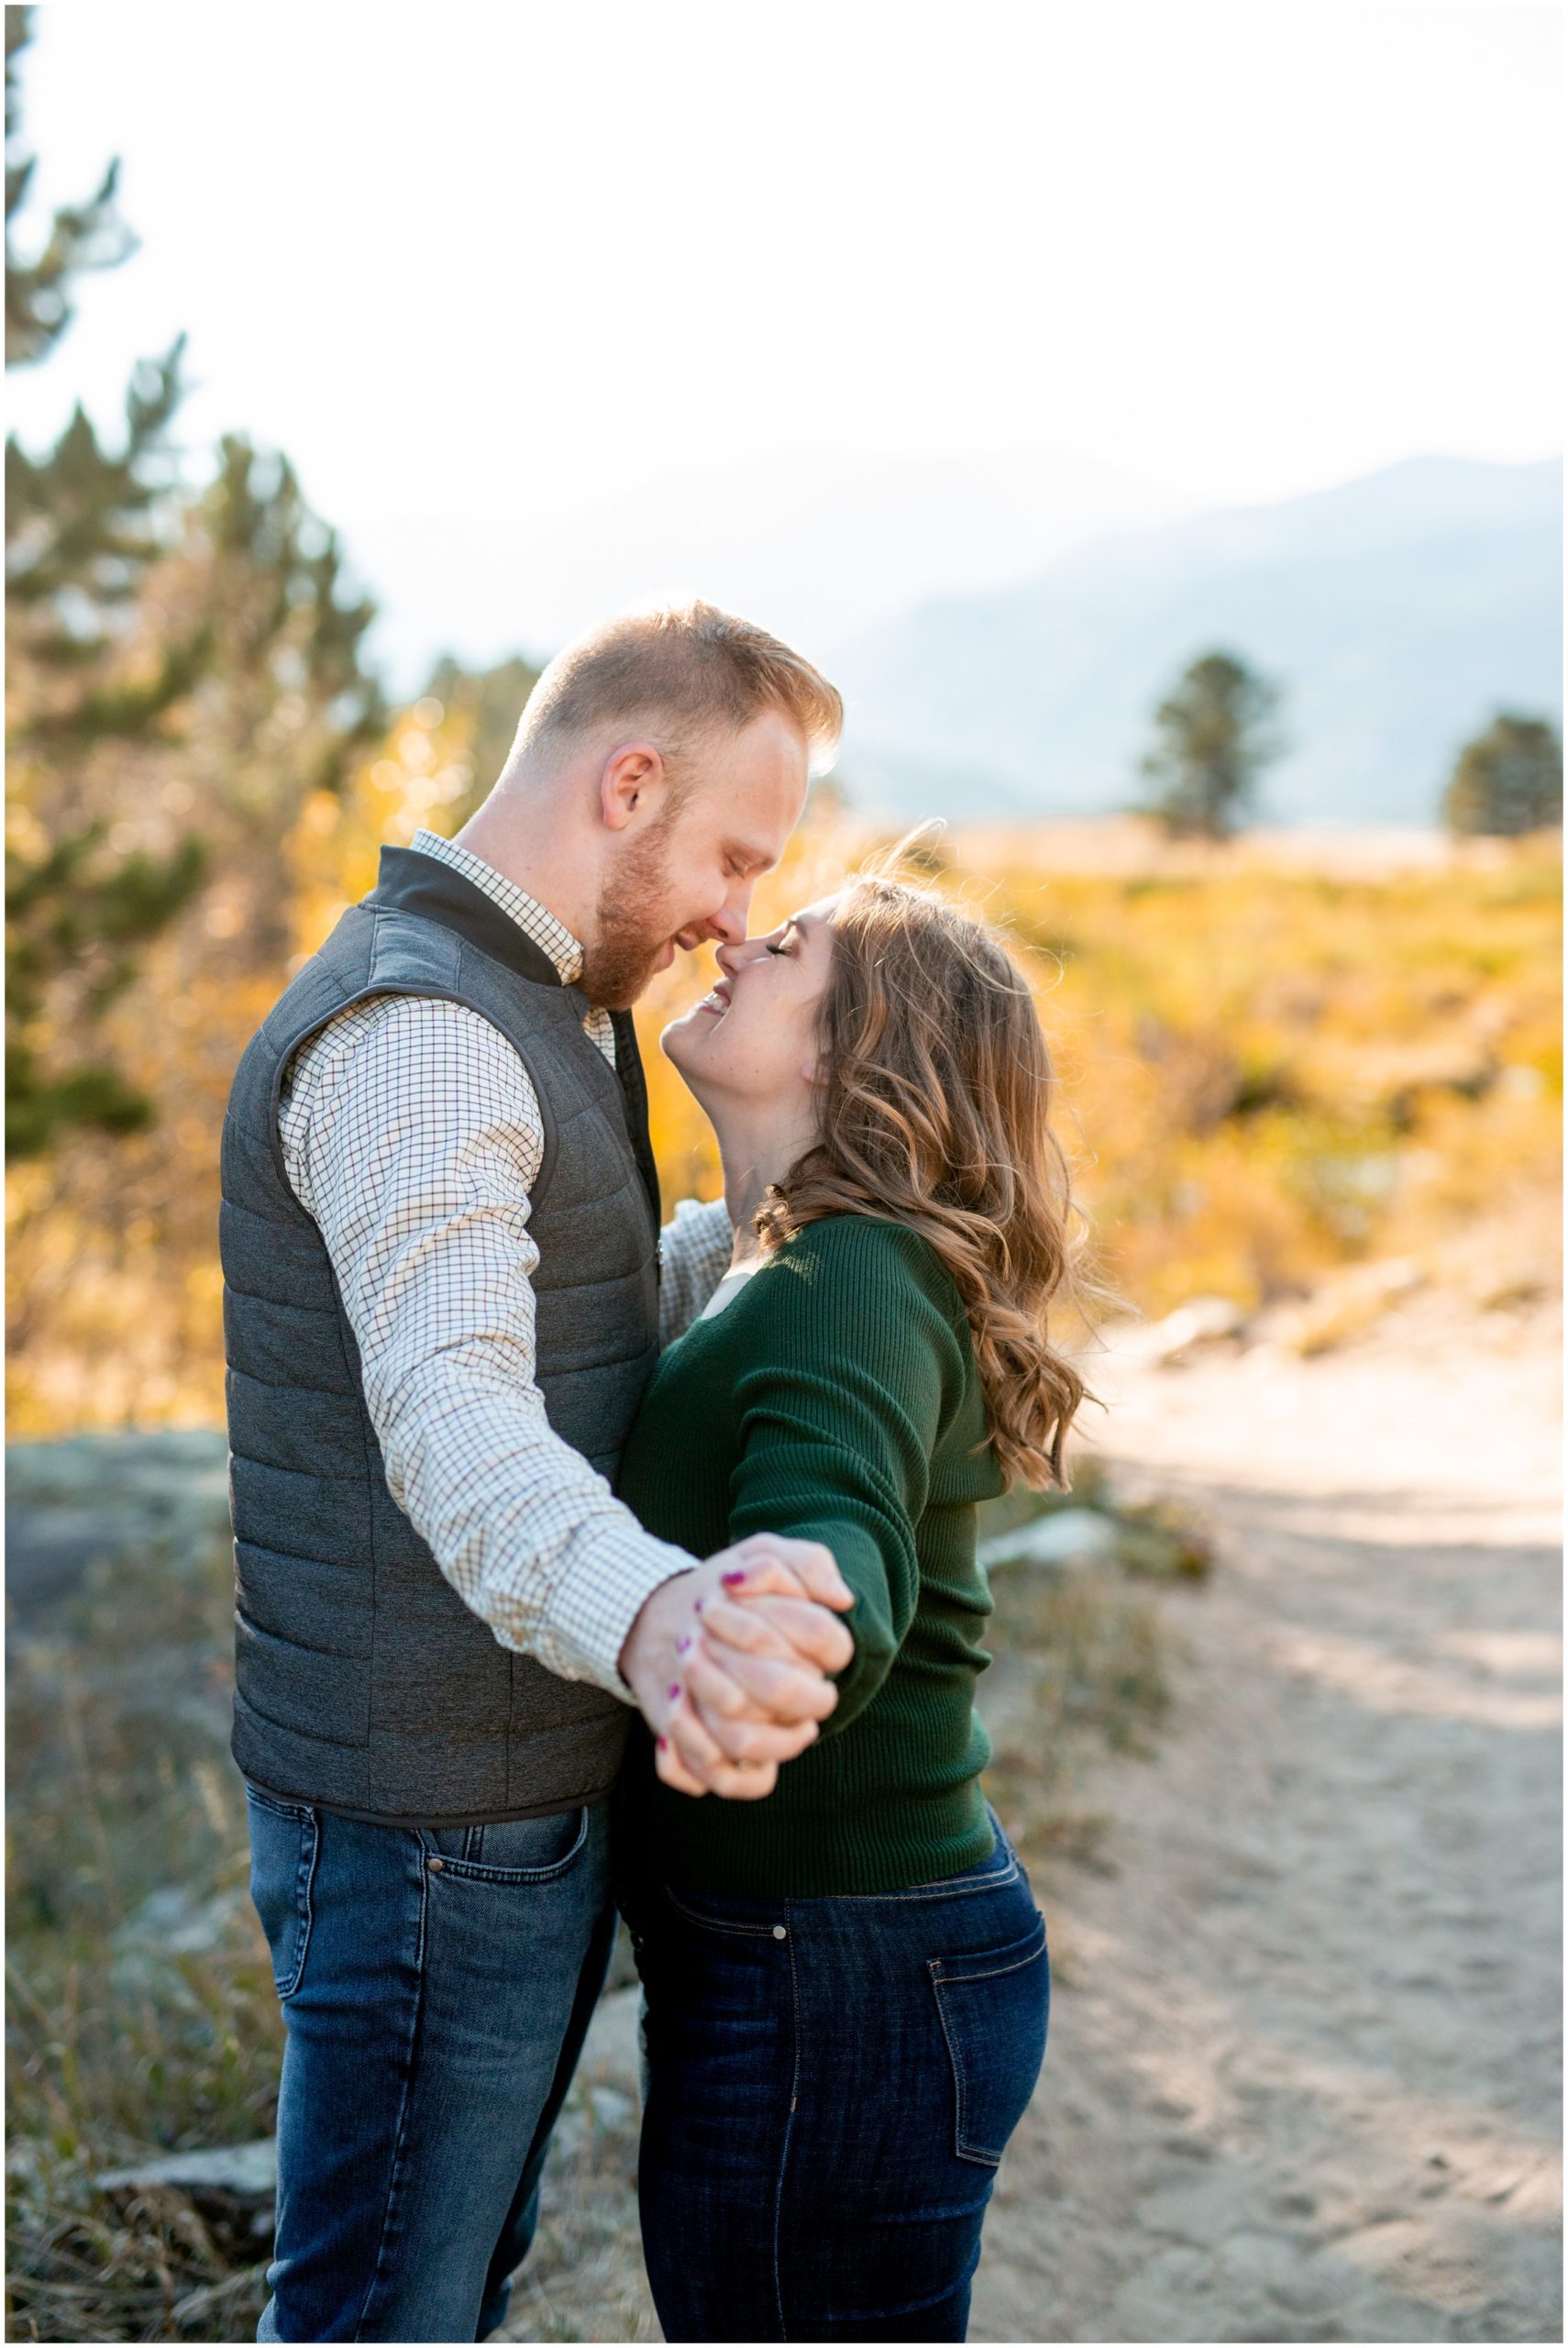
{"x": 678, "y": 670}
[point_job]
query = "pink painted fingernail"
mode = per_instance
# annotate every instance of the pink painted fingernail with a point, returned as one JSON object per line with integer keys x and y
{"x": 682, "y": 1645}
{"x": 697, "y": 1606}
{"x": 733, "y": 1578}
{"x": 675, "y": 1691}
{"x": 663, "y": 1744}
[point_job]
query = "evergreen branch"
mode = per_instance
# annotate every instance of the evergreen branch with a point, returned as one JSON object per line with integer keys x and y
{"x": 90, "y": 236}
{"x": 124, "y": 710}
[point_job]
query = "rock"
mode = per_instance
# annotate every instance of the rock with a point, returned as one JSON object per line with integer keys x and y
{"x": 1203, "y": 1320}
{"x": 249, "y": 2172}
{"x": 48, "y": 1551}
{"x": 590, "y": 2113}
{"x": 1063, "y": 1537}
{"x": 92, "y": 1500}
{"x": 623, "y": 1972}
{"x": 177, "y": 1924}
{"x": 611, "y": 2053}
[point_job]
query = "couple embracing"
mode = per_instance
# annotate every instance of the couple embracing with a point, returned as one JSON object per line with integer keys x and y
{"x": 581, "y": 1568}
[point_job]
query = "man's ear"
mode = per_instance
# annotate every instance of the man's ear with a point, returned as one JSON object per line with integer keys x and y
{"x": 632, "y": 781}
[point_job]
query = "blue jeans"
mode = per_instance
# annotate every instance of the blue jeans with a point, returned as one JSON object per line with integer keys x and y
{"x": 436, "y": 1985}
{"x": 832, "y": 2084}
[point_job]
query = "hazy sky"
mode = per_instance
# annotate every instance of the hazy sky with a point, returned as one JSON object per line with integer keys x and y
{"x": 519, "y": 258}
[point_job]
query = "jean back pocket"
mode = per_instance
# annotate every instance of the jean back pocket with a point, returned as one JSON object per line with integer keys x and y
{"x": 994, "y": 2006}
{"x": 284, "y": 1839}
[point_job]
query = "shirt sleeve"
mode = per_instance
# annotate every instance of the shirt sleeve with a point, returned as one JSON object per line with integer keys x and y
{"x": 840, "y": 1413}
{"x": 696, "y": 1251}
{"x": 411, "y": 1133}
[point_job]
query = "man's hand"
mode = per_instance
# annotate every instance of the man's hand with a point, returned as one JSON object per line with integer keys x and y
{"x": 729, "y": 1663}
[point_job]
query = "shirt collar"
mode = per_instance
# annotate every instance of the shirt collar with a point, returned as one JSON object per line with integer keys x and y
{"x": 534, "y": 919}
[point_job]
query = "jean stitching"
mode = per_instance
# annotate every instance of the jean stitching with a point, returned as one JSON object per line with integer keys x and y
{"x": 995, "y": 1972}
{"x": 961, "y": 2146}
{"x": 968, "y": 2150}
{"x": 712, "y": 1924}
{"x": 394, "y": 2178}
{"x": 955, "y": 1890}
{"x": 290, "y": 1810}
{"x": 475, "y": 1871}
{"x": 789, "y": 2128}
{"x": 304, "y": 1888}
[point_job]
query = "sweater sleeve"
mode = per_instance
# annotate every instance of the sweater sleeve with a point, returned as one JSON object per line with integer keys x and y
{"x": 855, "y": 1370}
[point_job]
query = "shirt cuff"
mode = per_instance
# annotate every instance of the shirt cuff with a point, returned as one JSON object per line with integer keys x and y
{"x": 627, "y": 1570}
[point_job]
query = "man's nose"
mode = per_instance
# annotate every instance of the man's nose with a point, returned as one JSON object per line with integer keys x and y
{"x": 729, "y": 922}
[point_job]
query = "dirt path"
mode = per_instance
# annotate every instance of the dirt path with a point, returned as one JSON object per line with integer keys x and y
{"x": 1303, "y": 2074}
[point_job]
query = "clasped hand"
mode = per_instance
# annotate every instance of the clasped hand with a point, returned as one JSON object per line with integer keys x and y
{"x": 729, "y": 1663}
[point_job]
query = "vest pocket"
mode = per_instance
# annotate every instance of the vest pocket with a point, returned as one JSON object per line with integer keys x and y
{"x": 993, "y": 2006}
{"x": 284, "y": 1839}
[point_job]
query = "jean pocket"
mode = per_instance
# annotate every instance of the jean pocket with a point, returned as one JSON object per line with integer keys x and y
{"x": 516, "y": 1851}
{"x": 993, "y": 2006}
{"x": 284, "y": 1839}
{"x": 754, "y": 1919}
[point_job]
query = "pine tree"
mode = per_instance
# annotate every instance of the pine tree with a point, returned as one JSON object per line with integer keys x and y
{"x": 1214, "y": 738}
{"x": 82, "y": 237}
{"x": 1507, "y": 780}
{"x": 185, "y": 670}
{"x": 286, "y": 706}
{"x": 84, "y": 526}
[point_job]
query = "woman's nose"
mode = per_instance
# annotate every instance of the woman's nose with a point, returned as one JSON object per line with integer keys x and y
{"x": 733, "y": 955}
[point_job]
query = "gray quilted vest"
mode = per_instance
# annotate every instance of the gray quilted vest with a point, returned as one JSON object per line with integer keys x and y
{"x": 362, "y": 1681}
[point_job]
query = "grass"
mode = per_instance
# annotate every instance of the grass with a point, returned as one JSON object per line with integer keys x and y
{"x": 121, "y": 2045}
{"x": 141, "y": 2013}
{"x": 1268, "y": 1073}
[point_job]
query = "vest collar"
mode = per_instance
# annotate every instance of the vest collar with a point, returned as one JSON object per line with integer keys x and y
{"x": 410, "y": 881}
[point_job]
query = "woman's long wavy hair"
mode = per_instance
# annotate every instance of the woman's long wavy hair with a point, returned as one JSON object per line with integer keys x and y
{"x": 937, "y": 1091}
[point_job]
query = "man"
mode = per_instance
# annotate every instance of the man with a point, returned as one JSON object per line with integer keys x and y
{"x": 440, "y": 1247}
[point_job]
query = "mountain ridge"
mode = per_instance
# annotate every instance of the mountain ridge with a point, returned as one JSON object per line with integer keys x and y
{"x": 1397, "y": 610}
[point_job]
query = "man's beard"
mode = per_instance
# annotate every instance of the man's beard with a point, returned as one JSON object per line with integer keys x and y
{"x": 631, "y": 925}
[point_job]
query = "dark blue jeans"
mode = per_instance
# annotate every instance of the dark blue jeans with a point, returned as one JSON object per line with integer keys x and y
{"x": 832, "y": 2084}
{"x": 435, "y": 1988}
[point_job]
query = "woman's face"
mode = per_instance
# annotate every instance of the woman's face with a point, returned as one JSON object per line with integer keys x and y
{"x": 754, "y": 1039}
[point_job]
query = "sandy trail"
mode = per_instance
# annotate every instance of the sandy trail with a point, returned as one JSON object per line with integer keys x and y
{"x": 1303, "y": 2074}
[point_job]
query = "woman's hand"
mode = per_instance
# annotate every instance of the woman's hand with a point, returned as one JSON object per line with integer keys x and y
{"x": 729, "y": 1663}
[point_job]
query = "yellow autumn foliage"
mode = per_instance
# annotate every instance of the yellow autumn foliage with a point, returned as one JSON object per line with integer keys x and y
{"x": 1272, "y": 1063}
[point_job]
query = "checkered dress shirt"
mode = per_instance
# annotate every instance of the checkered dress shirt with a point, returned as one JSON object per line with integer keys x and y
{"x": 412, "y": 1134}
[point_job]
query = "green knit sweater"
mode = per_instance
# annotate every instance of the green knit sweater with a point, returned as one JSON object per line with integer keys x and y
{"x": 835, "y": 1397}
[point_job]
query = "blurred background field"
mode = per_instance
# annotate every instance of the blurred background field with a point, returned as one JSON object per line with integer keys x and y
{"x": 1271, "y": 1068}
{"x": 1239, "y": 702}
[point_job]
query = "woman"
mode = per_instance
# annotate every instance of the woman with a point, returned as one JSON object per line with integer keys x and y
{"x": 847, "y": 1982}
